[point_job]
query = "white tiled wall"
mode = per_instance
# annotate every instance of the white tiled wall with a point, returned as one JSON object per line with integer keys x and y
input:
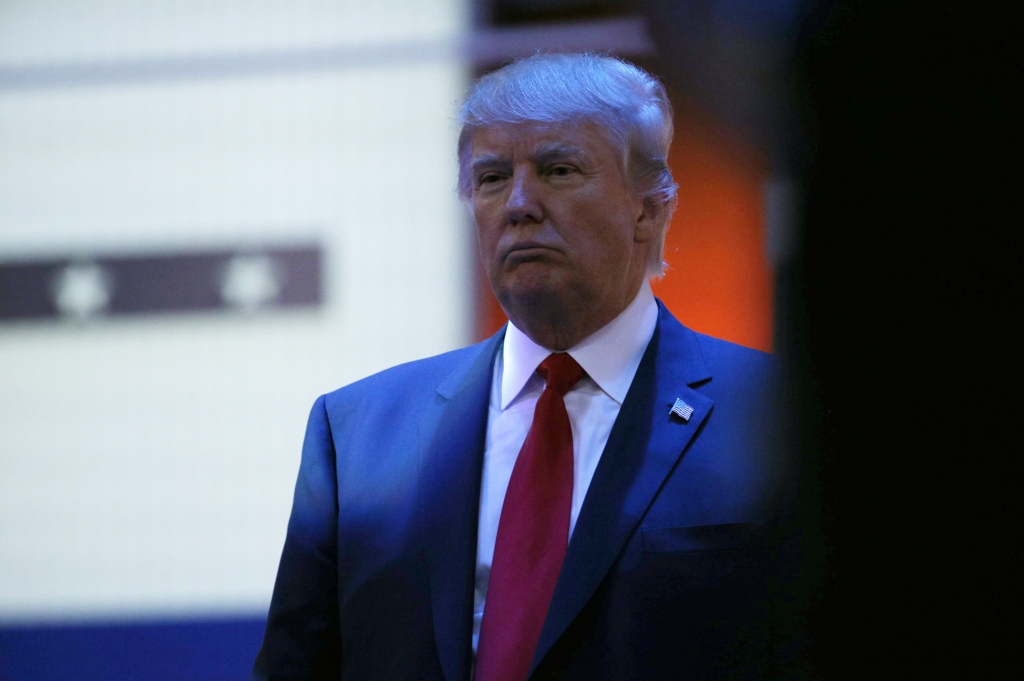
{"x": 147, "y": 464}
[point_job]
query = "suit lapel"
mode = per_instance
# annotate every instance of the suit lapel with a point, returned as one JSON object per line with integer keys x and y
{"x": 643, "y": 448}
{"x": 451, "y": 444}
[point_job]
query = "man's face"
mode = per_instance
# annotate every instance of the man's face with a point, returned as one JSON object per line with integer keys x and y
{"x": 561, "y": 232}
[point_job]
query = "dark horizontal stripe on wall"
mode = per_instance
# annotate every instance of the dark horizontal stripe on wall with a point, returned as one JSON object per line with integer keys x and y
{"x": 247, "y": 279}
{"x": 189, "y": 650}
{"x": 626, "y": 35}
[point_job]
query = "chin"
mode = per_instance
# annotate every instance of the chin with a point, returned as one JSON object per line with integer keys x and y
{"x": 536, "y": 284}
{"x": 536, "y": 293}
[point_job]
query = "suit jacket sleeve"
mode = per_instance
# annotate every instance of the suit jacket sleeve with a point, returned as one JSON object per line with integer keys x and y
{"x": 302, "y": 639}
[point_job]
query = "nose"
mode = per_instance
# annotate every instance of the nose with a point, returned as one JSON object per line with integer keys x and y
{"x": 523, "y": 203}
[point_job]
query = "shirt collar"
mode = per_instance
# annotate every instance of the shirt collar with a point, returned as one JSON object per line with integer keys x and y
{"x": 610, "y": 355}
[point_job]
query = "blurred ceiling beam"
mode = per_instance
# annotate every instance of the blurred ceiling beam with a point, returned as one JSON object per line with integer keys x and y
{"x": 483, "y": 48}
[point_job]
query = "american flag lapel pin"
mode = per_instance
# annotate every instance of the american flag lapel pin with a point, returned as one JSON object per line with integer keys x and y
{"x": 682, "y": 410}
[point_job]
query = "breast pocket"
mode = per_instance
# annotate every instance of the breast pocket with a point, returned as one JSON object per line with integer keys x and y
{"x": 703, "y": 563}
{"x": 720, "y": 537}
{"x": 697, "y": 595}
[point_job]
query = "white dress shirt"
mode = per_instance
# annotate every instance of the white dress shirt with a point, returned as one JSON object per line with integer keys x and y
{"x": 610, "y": 358}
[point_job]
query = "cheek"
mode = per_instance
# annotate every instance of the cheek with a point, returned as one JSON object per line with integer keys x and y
{"x": 482, "y": 218}
{"x": 606, "y": 233}
{"x": 487, "y": 233}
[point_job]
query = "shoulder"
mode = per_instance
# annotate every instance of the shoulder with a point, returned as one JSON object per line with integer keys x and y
{"x": 405, "y": 383}
{"x": 745, "y": 385}
{"x": 724, "y": 358}
{"x": 746, "y": 378}
{"x": 700, "y": 359}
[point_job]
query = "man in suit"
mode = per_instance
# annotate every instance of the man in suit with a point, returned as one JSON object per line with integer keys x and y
{"x": 590, "y": 493}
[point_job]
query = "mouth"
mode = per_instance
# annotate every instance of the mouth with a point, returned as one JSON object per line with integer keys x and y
{"x": 529, "y": 250}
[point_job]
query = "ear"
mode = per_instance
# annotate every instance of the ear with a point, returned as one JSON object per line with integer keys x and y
{"x": 650, "y": 217}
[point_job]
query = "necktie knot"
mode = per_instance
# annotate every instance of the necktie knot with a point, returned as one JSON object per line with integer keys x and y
{"x": 561, "y": 372}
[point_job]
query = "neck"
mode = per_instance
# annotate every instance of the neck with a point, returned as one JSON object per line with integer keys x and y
{"x": 559, "y": 324}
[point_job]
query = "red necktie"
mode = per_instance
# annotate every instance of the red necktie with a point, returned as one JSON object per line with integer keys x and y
{"x": 533, "y": 533}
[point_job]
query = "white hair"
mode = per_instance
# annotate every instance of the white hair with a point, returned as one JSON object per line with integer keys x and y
{"x": 627, "y": 102}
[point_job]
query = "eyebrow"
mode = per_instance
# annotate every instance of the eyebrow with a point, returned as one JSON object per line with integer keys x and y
{"x": 487, "y": 161}
{"x": 546, "y": 153}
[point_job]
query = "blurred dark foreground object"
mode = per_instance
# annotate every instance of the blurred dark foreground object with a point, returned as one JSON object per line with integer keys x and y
{"x": 900, "y": 303}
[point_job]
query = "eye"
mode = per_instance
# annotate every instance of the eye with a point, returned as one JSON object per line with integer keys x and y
{"x": 561, "y": 170}
{"x": 489, "y": 178}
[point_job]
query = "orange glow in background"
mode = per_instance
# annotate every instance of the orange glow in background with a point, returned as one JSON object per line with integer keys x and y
{"x": 718, "y": 279}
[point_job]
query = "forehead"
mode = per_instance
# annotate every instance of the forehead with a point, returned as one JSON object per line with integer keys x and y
{"x": 520, "y": 141}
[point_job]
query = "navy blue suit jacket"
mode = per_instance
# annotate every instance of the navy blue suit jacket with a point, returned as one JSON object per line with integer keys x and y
{"x": 668, "y": 572}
